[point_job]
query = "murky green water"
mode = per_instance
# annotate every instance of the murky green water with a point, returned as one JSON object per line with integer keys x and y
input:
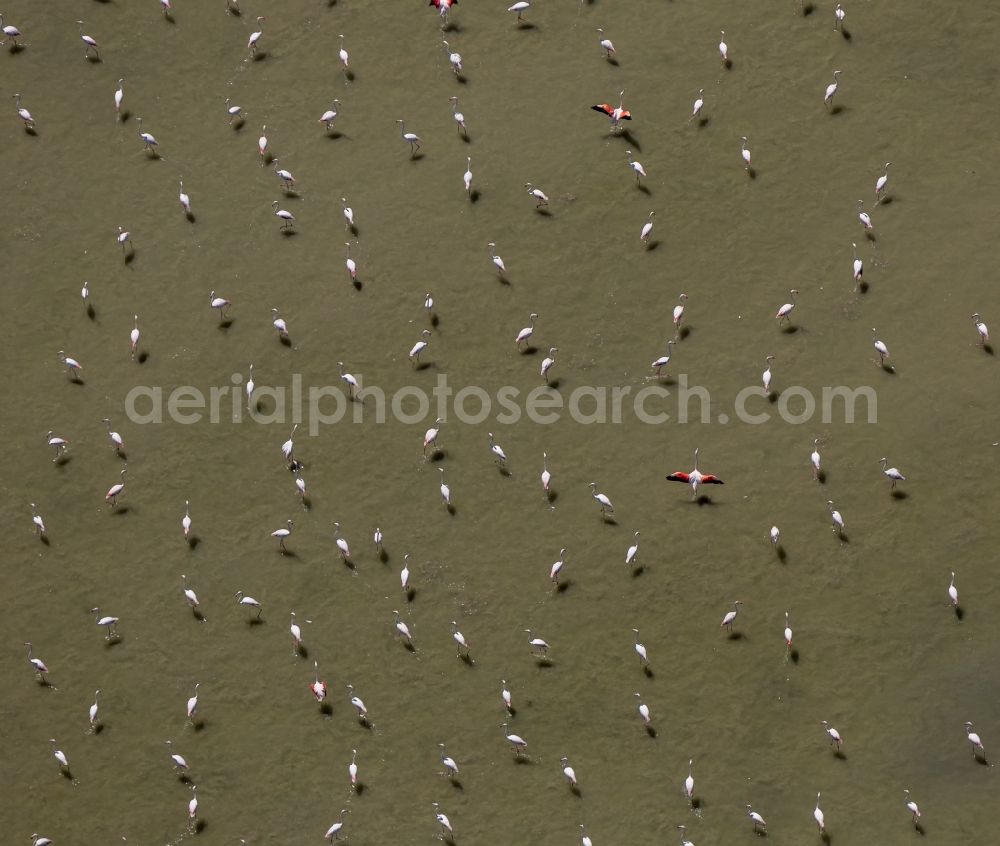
{"x": 880, "y": 653}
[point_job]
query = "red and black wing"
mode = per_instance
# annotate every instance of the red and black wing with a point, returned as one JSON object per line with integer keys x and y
{"x": 711, "y": 480}
{"x": 680, "y": 477}
{"x": 604, "y": 107}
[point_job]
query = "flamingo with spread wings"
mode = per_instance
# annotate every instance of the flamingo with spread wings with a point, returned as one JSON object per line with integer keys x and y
{"x": 695, "y": 477}
{"x": 615, "y": 114}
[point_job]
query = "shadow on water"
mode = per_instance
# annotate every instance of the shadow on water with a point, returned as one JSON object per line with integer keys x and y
{"x": 794, "y": 656}
{"x": 225, "y": 324}
{"x": 652, "y": 245}
{"x": 780, "y": 552}
{"x": 564, "y": 586}
{"x": 846, "y": 34}
{"x": 129, "y": 257}
{"x": 142, "y": 358}
{"x": 898, "y": 494}
{"x": 259, "y": 56}
{"x": 643, "y": 189}
{"x": 627, "y": 135}
{"x": 826, "y": 838}
{"x": 919, "y": 829}
{"x": 45, "y": 540}
{"x": 326, "y": 709}
{"x": 91, "y": 313}
{"x": 121, "y": 510}
{"x": 821, "y": 477}
{"x": 651, "y": 731}
{"x": 959, "y": 613}
{"x": 736, "y": 636}
{"x": 807, "y": 9}
{"x": 790, "y": 329}
{"x": 684, "y": 332}
{"x": 638, "y": 570}
{"x": 253, "y": 622}
{"x": 648, "y": 671}
{"x": 840, "y": 755}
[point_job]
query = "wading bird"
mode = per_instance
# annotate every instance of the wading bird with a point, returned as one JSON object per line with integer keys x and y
{"x": 445, "y": 490}
{"x": 255, "y": 36}
{"x": 699, "y": 104}
{"x": 450, "y": 767}
{"x": 637, "y": 167}
{"x": 602, "y": 499}
{"x": 123, "y": 238}
{"x": 431, "y": 435}
{"x": 467, "y": 176}
{"x": 342, "y": 54}
{"x": 831, "y": 89}
{"x": 342, "y": 545}
{"x": 296, "y": 631}
{"x": 819, "y": 816}
{"x": 179, "y": 761}
{"x": 58, "y": 444}
{"x": 517, "y": 742}
{"x": 643, "y": 710}
{"x": 90, "y": 42}
{"x": 288, "y": 447}
{"x": 505, "y": 695}
{"x": 287, "y": 180}
{"x": 647, "y": 227}
{"x": 975, "y": 740}
{"x": 765, "y": 377}
{"x": 443, "y": 7}
{"x": 282, "y": 535}
{"x": 838, "y": 18}
{"x": 189, "y": 595}
{"x": 984, "y": 333}
{"x": 689, "y": 781}
{"x": 443, "y": 821}
{"x": 788, "y": 632}
{"x": 497, "y": 261}
{"x": 745, "y": 153}
{"x": 858, "y": 267}
{"x": 525, "y": 334}
{"x": 723, "y": 48}
{"x": 409, "y": 137}
{"x": 880, "y": 183}
{"x": 278, "y": 322}
{"x": 317, "y": 686}
{"x": 59, "y": 755}
{"x": 557, "y": 566}
{"x": 23, "y": 114}
{"x": 134, "y": 335}
{"x": 234, "y": 112}
{"x": 404, "y": 574}
{"x": 814, "y": 458}
{"x": 147, "y": 138}
{"x": 912, "y": 806}
{"x": 262, "y": 145}
{"x": 546, "y": 475}
{"x": 568, "y": 771}
{"x": 192, "y": 703}
{"x": 537, "y": 194}
{"x": 782, "y": 314}
{"x": 838, "y": 521}
{"x": 330, "y": 115}
{"x": 402, "y": 629}
{"x": 186, "y": 519}
{"x": 11, "y": 33}
{"x": 333, "y": 832}
{"x": 249, "y": 602}
{"x": 220, "y": 304}
{"x": 110, "y": 624}
{"x": 695, "y": 477}
{"x": 352, "y": 768}
{"x": 115, "y": 491}
{"x": 358, "y": 703}
{"x": 350, "y": 263}
{"x": 775, "y": 535}
{"x": 184, "y": 199}
{"x": 547, "y": 363}
{"x": 835, "y": 737}
{"x": 538, "y": 646}
{"x": 73, "y": 366}
{"x": 459, "y": 638}
{"x": 616, "y": 114}
{"x": 419, "y": 347}
{"x": 729, "y": 619}
{"x": 606, "y": 45}
{"x": 458, "y": 116}
{"x": 953, "y": 591}
{"x": 37, "y": 663}
{"x": 520, "y": 7}
{"x": 758, "y": 821}
{"x": 497, "y": 450}
{"x": 93, "y": 710}
{"x": 455, "y": 58}
{"x": 864, "y": 217}
{"x": 37, "y": 521}
{"x": 631, "y": 557}
{"x": 891, "y": 473}
{"x": 640, "y": 649}
{"x": 283, "y": 215}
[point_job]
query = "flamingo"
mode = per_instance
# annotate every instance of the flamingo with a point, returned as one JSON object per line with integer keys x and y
{"x": 679, "y": 312}
{"x": 23, "y": 114}
{"x": 147, "y": 138}
{"x": 538, "y": 646}
{"x": 684, "y": 840}
{"x": 287, "y": 180}
{"x": 765, "y": 377}
{"x": 348, "y": 214}
{"x": 445, "y": 490}
{"x": 454, "y": 58}
{"x": 342, "y": 54}
{"x": 782, "y": 314}
{"x": 775, "y": 535}
{"x": 404, "y": 574}
{"x": 431, "y": 435}
{"x": 189, "y": 595}
{"x": 745, "y": 153}
{"x": 557, "y": 566}
{"x": 520, "y": 7}
{"x": 953, "y": 591}
{"x": 615, "y": 114}
{"x": 602, "y": 499}
{"x": 640, "y": 649}
{"x": 283, "y": 214}
{"x": 93, "y": 710}
{"x": 11, "y": 33}
{"x": 730, "y": 617}
{"x": 110, "y": 624}
{"x": 912, "y": 806}
{"x": 134, "y": 335}
{"x": 342, "y": 544}
{"x": 838, "y": 15}
{"x": 497, "y": 261}
{"x": 631, "y": 556}
{"x": 410, "y": 138}
{"x": 647, "y": 227}
{"x": 419, "y": 347}
{"x": 814, "y": 458}
{"x": 723, "y": 48}
{"x": 330, "y": 115}
{"x": 458, "y": 116}
{"x": 73, "y": 366}
{"x": 262, "y": 145}
{"x": 525, "y": 334}
{"x": 37, "y": 663}
{"x": 221, "y": 304}
{"x": 505, "y": 695}
{"x": 788, "y": 632}
{"x": 443, "y": 821}
{"x": 537, "y": 194}
{"x": 858, "y": 267}
{"x": 90, "y": 42}
{"x": 689, "y": 781}
{"x": 358, "y": 704}
{"x": 37, "y": 521}
{"x": 699, "y": 104}
{"x": 756, "y": 819}
{"x": 467, "y": 176}
{"x": 402, "y": 629}
{"x": 333, "y": 832}
{"x": 429, "y": 307}
{"x": 864, "y": 217}
{"x": 831, "y": 89}
{"x": 192, "y": 703}
{"x": 249, "y": 389}
{"x": 352, "y": 768}
{"x": 880, "y": 183}
{"x": 193, "y": 803}
{"x": 515, "y": 740}
{"x": 318, "y": 686}
{"x": 975, "y": 740}
{"x": 296, "y": 631}
{"x": 695, "y": 477}
{"x": 282, "y": 534}
{"x": 606, "y": 45}
{"x": 186, "y": 519}
{"x": 111, "y": 497}
{"x": 350, "y": 264}
{"x": 450, "y": 767}
{"x": 568, "y": 771}
{"x": 892, "y": 473}
{"x": 636, "y": 166}
{"x": 234, "y": 112}
{"x": 838, "y": 521}
{"x": 835, "y": 737}
{"x": 546, "y": 475}
{"x": 123, "y": 239}
{"x": 278, "y": 322}
{"x": 643, "y": 710}
{"x": 85, "y": 294}
{"x": 497, "y": 451}
{"x": 179, "y": 761}
{"x": 184, "y": 199}
{"x": 443, "y": 7}
{"x": 59, "y": 755}
{"x": 58, "y": 444}
{"x": 547, "y": 364}
{"x": 459, "y": 638}
{"x": 288, "y": 446}
{"x": 819, "y": 816}
{"x": 984, "y": 333}
{"x": 255, "y": 36}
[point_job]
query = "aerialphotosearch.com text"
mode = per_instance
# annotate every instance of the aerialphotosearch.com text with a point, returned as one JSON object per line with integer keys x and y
{"x": 317, "y": 406}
